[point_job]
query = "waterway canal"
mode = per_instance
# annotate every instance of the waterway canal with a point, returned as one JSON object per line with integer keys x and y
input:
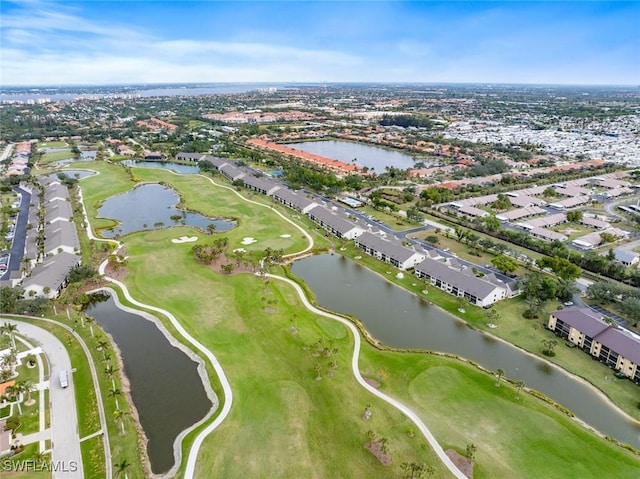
{"x": 399, "y": 319}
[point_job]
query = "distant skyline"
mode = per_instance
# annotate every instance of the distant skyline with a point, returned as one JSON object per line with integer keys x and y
{"x": 91, "y": 42}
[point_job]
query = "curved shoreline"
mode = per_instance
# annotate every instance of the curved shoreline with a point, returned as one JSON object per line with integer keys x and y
{"x": 355, "y": 369}
{"x": 380, "y": 345}
{"x": 201, "y": 368}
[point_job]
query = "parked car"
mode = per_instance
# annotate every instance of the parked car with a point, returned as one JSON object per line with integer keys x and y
{"x": 568, "y": 303}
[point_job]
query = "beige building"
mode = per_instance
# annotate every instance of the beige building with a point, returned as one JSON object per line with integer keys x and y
{"x": 617, "y": 348}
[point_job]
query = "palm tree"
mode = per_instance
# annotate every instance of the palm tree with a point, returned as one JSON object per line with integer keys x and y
{"x": 10, "y": 329}
{"x": 102, "y": 344}
{"x": 90, "y": 321}
{"x": 519, "y": 386}
{"x": 26, "y": 387}
{"x": 114, "y": 392}
{"x": 10, "y": 360}
{"x": 499, "y": 374}
{"x": 122, "y": 467}
{"x": 471, "y": 449}
{"x": 39, "y": 457}
{"x": 119, "y": 416}
{"x": 109, "y": 370}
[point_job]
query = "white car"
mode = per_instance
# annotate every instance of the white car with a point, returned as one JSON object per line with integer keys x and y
{"x": 568, "y": 303}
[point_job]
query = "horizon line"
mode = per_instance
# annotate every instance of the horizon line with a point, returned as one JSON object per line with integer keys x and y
{"x": 317, "y": 83}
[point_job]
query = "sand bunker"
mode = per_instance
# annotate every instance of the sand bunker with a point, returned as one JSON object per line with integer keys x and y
{"x": 248, "y": 240}
{"x": 285, "y": 236}
{"x": 185, "y": 239}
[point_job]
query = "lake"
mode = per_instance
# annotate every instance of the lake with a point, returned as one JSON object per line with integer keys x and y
{"x": 151, "y": 206}
{"x": 166, "y": 388}
{"x": 365, "y": 155}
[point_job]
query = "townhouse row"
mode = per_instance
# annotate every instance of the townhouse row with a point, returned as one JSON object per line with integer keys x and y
{"x": 447, "y": 274}
{"x": 52, "y": 245}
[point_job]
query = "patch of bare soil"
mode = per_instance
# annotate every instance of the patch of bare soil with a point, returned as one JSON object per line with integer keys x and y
{"x": 377, "y": 449}
{"x": 270, "y": 310}
{"x": 372, "y": 382}
{"x": 238, "y": 267}
{"x": 463, "y": 463}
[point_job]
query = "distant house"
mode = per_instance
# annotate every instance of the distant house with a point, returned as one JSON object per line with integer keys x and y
{"x": 570, "y": 202}
{"x": 548, "y": 235}
{"x": 586, "y": 329}
{"x": 155, "y": 156}
{"x": 626, "y": 257}
{"x": 334, "y": 223}
{"x": 193, "y": 157}
{"x": 461, "y": 283}
{"x": 389, "y": 251}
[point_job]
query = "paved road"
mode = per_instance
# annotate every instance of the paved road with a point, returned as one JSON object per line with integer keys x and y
{"x": 64, "y": 419}
{"x": 20, "y": 234}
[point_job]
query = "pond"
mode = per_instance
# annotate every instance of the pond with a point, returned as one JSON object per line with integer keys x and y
{"x": 86, "y": 155}
{"x": 152, "y": 206}
{"x": 166, "y": 387}
{"x": 168, "y": 165}
{"x": 399, "y": 319}
{"x": 365, "y": 155}
{"x": 79, "y": 174}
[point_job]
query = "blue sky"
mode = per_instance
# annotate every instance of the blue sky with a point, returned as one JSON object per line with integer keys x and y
{"x": 93, "y": 42}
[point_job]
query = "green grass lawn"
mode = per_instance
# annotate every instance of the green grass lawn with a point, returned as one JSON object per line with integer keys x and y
{"x": 524, "y": 333}
{"x": 52, "y": 144}
{"x": 53, "y": 156}
{"x": 284, "y": 422}
{"x": 516, "y": 436}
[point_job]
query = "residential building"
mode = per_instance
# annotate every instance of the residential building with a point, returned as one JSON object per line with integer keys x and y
{"x": 389, "y": 251}
{"x": 617, "y": 348}
{"x": 193, "y": 157}
{"x": 60, "y": 236}
{"x": 626, "y": 257}
{"x": 58, "y": 210}
{"x": 461, "y": 282}
{"x": 334, "y": 223}
{"x": 231, "y": 172}
{"x": 48, "y": 279}
{"x": 261, "y": 185}
{"x": 294, "y": 200}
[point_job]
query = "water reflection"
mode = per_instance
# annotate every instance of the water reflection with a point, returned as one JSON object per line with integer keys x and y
{"x": 377, "y": 306}
{"x": 166, "y": 387}
{"x": 153, "y": 206}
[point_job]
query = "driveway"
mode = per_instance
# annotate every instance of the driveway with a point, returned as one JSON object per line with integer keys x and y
{"x": 66, "y": 457}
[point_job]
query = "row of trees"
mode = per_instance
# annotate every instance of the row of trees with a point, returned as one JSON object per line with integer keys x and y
{"x": 605, "y": 265}
{"x": 627, "y": 299}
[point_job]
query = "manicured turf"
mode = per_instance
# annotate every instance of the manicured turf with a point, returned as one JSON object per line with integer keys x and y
{"x": 285, "y": 423}
{"x": 516, "y": 437}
